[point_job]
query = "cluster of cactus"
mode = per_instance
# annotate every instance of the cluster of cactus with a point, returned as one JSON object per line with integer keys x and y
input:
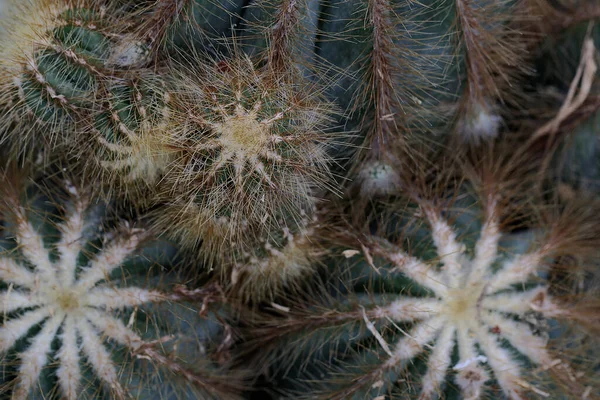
{"x": 342, "y": 199}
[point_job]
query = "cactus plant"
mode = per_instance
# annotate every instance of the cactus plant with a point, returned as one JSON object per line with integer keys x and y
{"x": 253, "y": 148}
{"x": 73, "y": 82}
{"x": 77, "y": 290}
{"x": 54, "y": 55}
{"x": 443, "y": 301}
{"x": 367, "y": 198}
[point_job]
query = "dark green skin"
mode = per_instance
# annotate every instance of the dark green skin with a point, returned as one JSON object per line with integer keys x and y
{"x": 122, "y": 101}
{"x": 67, "y": 76}
{"x": 80, "y": 84}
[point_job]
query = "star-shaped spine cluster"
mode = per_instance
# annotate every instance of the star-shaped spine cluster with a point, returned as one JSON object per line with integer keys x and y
{"x": 75, "y": 304}
{"x": 257, "y": 131}
{"x": 475, "y": 306}
{"x": 252, "y": 148}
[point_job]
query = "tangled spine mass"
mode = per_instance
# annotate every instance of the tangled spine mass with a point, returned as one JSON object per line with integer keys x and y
{"x": 253, "y": 151}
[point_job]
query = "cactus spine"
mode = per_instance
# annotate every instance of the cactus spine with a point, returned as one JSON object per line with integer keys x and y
{"x": 381, "y": 199}
{"x": 79, "y": 290}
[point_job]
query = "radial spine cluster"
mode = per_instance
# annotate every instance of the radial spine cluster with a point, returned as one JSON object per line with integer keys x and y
{"x": 253, "y": 151}
{"x": 475, "y": 306}
{"x": 76, "y": 304}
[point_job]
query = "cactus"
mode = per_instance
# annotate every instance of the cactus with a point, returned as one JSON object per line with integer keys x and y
{"x": 72, "y": 81}
{"x": 54, "y": 55}
{"x": 253, "y": 148}
{"x": 332, "y": 199}
{"x": 78, "y": 289}
{"x": 443, "y": 301}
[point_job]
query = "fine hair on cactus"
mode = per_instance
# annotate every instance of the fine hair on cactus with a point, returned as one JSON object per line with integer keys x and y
{"x": 491, "y": 42}
{"x": 54, "y": 56}
{"x": 279, "y": 262}
{"x": 253, "y": 147}
{"x": 449, "y": 298}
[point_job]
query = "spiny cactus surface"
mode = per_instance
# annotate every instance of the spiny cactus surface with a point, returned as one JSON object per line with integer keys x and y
{"x": 439, "y": 302}
{"x": 337, "y": 199}
{"x": 94, "y": 292}
{"x": 253, "y": 152}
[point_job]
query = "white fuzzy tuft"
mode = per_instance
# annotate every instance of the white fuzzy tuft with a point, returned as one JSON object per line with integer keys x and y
{"x": 378, "y": 179}
{"x": 480, "y": 124}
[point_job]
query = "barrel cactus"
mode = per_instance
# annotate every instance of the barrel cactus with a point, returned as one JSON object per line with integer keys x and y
{"x": 55, "y": 55}
{"x": 84, "y": 308}
{"x": 74, "y": 85}
{"x": 253, "y": 148}
{"x": 310, "y": 199}
{"x": 444, "y": 301}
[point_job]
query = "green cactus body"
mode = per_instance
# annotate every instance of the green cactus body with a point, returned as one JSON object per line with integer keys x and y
{"x": 84, "y": 309}
{"x": 451, "y": 308}
{"x": 57, "y": 55}
{"x": 578, "y": 163}
{"x": 206, "y": 22}
{"x": 72, "y": 77}
{"x": 59, "y": 75}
